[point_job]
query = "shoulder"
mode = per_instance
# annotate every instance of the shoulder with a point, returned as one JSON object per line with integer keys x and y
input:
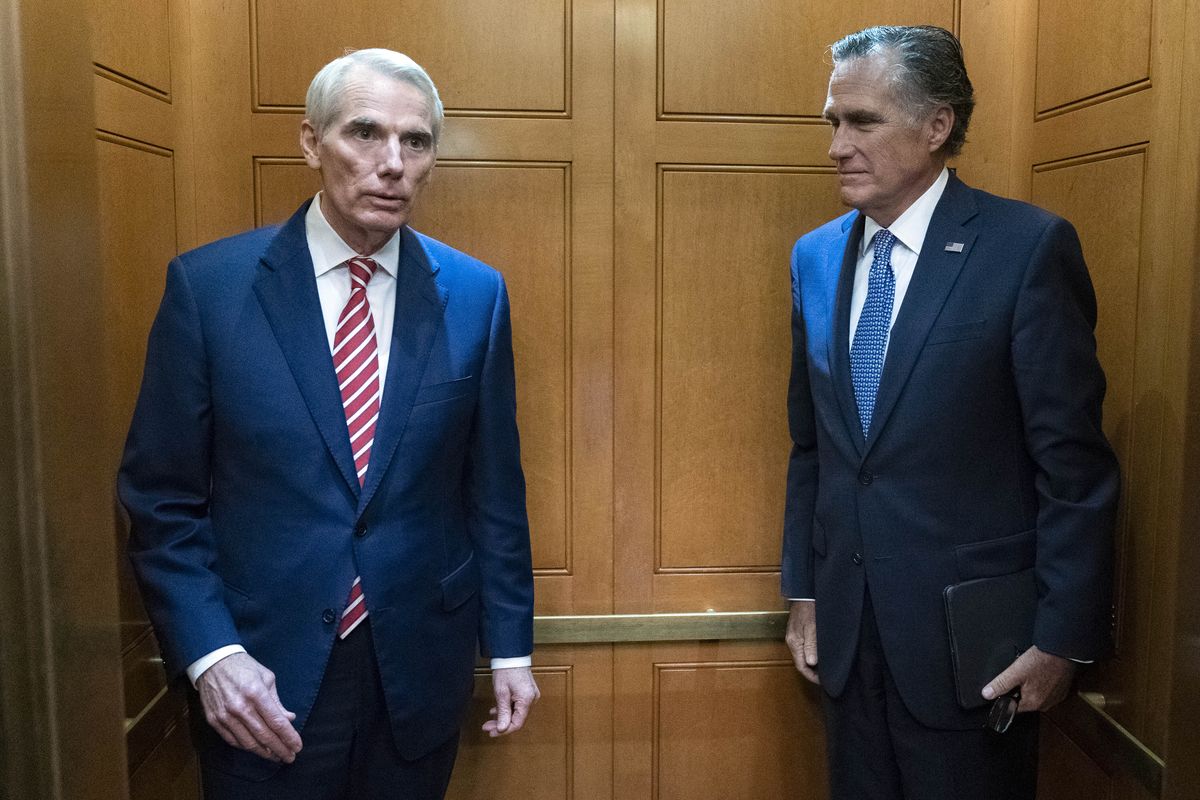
{"x": 456, "y": 267}
{"x": 229, "y": 255}
{"x": 832, "y": 233}
{"x": 1017, "y": 221}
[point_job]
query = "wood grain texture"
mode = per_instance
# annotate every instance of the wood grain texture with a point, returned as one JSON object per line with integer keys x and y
{"x": 764, "y": 59}
{"x": 490, "y": 56}
{"x": 1089, "y": 48}
{"x": 132, "y": 39}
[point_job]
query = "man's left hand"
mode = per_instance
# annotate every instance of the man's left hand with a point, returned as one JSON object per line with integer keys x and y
{"x": 1044, "y": 679}
{"x": 516, "y": 692}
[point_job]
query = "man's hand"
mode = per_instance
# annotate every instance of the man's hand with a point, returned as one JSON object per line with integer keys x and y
{"x": 801, "y": 637}
{"x": 1044, "y": 680}
{"x": 241, "y": 704}
{"x": 516, "y": 692}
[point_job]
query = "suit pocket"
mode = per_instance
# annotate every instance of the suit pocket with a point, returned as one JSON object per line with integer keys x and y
{"x": 446, "y": 391}
{"x": 459, "y": 585}
{"x": 956, "y": 332}
{"x": 993, "y": 557}
{"x": 818, "y": 538}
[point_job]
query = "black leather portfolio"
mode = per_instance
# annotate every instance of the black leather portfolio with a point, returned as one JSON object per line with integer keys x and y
{"x": 991, "y": 623}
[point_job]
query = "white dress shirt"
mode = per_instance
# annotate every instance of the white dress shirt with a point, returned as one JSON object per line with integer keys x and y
{"x": 329, "y": 255}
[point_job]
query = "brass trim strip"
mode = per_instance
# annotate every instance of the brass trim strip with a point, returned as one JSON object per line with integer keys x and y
{"x": 674, "y": 627}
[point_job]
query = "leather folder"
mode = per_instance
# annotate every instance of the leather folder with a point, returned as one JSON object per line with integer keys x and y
{"x": 990, "y": 621}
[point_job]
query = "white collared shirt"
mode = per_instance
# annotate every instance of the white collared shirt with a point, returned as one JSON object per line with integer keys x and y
{"x": 909, "y": 230}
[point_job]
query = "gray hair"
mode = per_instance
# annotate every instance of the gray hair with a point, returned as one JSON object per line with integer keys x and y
{"x": 321, "y": 105}
{"x": 927, "y": 71}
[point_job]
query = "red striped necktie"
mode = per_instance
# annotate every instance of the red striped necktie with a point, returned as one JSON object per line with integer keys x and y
{"x": 356, "y": 361}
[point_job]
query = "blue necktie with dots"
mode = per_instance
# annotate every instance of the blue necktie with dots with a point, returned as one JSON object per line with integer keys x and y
{"x": 871, "y": 336}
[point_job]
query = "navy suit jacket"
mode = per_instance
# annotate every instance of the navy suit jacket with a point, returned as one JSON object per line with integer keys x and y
{"x": 986, "y": 454}
{"x": 248, "y": 524}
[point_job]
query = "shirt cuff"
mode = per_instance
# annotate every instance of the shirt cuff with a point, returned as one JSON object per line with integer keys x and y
{"x": 510, "y": 663}
{"x": 198, "y": 667}
{"x": 801, "y": 600}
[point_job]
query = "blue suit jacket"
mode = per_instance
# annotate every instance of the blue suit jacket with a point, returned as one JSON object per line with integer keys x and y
{"x": 248, "y": 524}
{"x": 986, "y": 454}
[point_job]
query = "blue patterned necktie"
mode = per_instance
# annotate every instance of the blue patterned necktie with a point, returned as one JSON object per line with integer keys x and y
{"x": 871, "y": 335}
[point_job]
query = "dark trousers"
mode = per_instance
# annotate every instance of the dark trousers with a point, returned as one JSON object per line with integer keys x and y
{"x": 348, "y": 751}
{"x": 878, "y": 751}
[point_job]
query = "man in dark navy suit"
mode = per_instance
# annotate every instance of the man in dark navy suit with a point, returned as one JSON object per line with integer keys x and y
{"x": 945, "y": 414}
{"x": 323, "y": 475}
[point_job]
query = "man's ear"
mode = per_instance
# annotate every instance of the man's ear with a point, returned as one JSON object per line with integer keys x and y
{"x": 941, "y": 123}
{"x": 308, "y": 144}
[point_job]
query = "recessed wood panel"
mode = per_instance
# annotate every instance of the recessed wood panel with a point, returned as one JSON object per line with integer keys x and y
{"x": 1089, "y": 47}
{"x": 1065, "y": 771}
{"x": 733, "y": 729}
{"x": 514, "y": 217}
{"x": 533, "y": 764}
{"x": 137, "y": 239}
{"x": 484, "y": 55}
{"x": 1102, "y": 197}
{"x": 724, "y": 357}
{"x": 764, "y": 59}
{"x": 131, "y": 38}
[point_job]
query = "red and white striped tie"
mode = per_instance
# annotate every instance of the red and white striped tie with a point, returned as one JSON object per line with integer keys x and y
{"x": 356, "y": 360}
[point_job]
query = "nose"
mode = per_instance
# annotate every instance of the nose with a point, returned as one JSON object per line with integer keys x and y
{"x": 839, "y": 145}
{"x": 392, "y": 158}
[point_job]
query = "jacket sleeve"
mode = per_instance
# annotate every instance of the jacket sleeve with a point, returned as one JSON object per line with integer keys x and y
{"x": 164, "y": 484}
{"x": 796, "y": 570}
{"x": 1061, "y": 389}
{"x": 494, "y": 488}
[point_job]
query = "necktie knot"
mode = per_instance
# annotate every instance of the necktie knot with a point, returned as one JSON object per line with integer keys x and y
{"x": 884, "y": 240}
{"x": 361, "y": 270}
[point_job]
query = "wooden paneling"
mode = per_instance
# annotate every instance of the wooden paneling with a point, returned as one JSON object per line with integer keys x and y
{"x": 280, "y": 186}
{"x": 763, "y": 59}
{"x": 1102, "y": 196}
{"x": 715, "y": 720}
{"x": 137, "y": 239}
{"x": 473, "y": 206}
{"x": 1090, "y": 48}
{"x": 132, "y": 41}
{"x": 1066, "y": 772}
{"x": 564, "y": 752}
{"x": 724, "y": 355}
{"x": 491, "y": 56}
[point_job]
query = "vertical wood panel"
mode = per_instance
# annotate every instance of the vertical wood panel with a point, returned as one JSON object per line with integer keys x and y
{"x": 724, "y": 352}
{"x": 468, "y": 206}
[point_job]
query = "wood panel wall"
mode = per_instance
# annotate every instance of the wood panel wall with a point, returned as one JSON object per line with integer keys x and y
{"x": 1097, "y": 139}
{"x": 639, "y": 169}
{"x": 143, "y": 118}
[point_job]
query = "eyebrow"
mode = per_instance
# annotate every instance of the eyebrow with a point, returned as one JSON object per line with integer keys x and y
{"x": 854, "y": 117}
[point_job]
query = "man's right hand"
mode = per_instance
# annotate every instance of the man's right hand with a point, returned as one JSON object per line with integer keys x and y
{"x": 801, "y": 637}
{"x": 241, "y": 704}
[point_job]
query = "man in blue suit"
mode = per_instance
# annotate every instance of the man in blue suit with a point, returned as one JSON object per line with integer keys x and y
{"x": 323, "y": 476}
{"x": 945, "y": 414}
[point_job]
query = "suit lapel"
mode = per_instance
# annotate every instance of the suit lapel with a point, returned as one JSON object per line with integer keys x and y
{"x": 287, "y": 291}
{"x": 935, "y": 274}
{"x": 839, "y": 339}
{"x": 420, "y": 301}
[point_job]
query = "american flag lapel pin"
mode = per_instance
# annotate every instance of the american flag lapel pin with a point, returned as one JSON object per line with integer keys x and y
{"x": 954, "y": 247}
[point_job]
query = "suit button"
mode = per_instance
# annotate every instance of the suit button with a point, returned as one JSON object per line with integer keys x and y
{"x": 865, "y": 478}
{"x": 328, "y": 616}
{"x": 857, "y": 558}
{"x": 360, "y": 530}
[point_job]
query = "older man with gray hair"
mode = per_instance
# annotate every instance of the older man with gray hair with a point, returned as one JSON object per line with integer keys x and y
{"x": 945, "y": 415}
{"x": 323, "y": 474}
